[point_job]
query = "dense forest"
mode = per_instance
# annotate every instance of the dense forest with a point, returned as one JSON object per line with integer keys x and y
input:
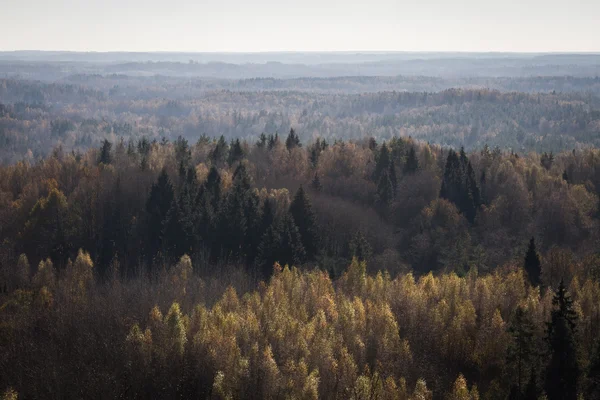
{"x": 365, "y": 226}
{"x": 35, "y": 117}
{"x": 280, "y": 267}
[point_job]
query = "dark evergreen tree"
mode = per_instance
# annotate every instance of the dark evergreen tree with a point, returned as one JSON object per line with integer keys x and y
{"x": 482, "y": 186}
{"x": 220, "y": 151}
{"x": 273, "y": 140}
{"x": 393, "y": 179}
{"x": 532, "y": 264}
{"x": 315, "y": 151}
{"x": 233, "y": 223}
{"x": 385, "y": 190}
{"x": 183, "y": 155}
{"x": 292, "y": 140}
{"x": 175, "y": 238}
{"x": 236, "y": 152}
{"x": 212, "y": 187}
{"x": 262, "y": 141}
{"x": 565, "y": 176}
{"x": 157, "y": 206}
{"x": 316, "y": 183}
{"x": 372, "y": 144}
{"x": 113, "y": 232}
{"x": 547, "y": 160}
{"x": 383, "y": 164}
{"x": 105, "y": 153}
{"x": 472, "y": 186}
{"x": 459, "y": 185}
{"x": 412, "y": 162}
{"x": 182, "y": 235}
{"x": 562, "y": 372}
{"x": 521, "y": 351}
{"x": 281, "y": 243}
{"x": 304, "y": 218}
{"x": 360, "y": 247}
{"x": 267, "y": 216}
{"x": 253, "y": 226}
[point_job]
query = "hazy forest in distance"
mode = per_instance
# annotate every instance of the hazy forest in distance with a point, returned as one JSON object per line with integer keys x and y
{"x": 410, "y": 226}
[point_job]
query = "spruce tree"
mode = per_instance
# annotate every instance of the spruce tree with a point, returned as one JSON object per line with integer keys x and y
{"x": 281, "y": 243}
{"x": 459, "y": 185}
{"x": 236, "y": 152}
{"x": 316, "y": 183}
{"x": 183, "y": 155}
{"x": 533, "y": 266}
{"x": 157, "y": 206}
{"x": 175, "y": 241}
{"x": 562, "y": 372}
{"x": 105, "y": 154}
{"x": 233, "y": 222}
{"x": 385, "y": 190}
{"x": 393, "y": 179}
{"x": 253, "y": 226}
{"x": 292, "y": 140}
{"x": 360, "y": 247}
{"x": 383, "y": 164}
{"x": 273, "y": 140}
{"x": 304, "y": 218}
{"x": 412, "y": 162}
{"x": 220, "y": 151}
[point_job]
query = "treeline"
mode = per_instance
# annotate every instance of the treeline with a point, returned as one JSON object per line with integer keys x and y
{"x": 37, "y": 117}
{"x": 399, "y": 204}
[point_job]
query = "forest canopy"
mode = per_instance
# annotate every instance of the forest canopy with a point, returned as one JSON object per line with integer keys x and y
{"x": 323, "y": 226}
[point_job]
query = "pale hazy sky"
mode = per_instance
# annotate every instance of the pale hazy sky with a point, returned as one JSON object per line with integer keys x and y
{"x": 300, "y": 25}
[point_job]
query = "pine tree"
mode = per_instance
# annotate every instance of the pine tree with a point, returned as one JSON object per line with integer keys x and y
{"x": 105, "y": 155}
{"x": 562, "y": 372}
{"x": 532, "y": 265}
{"x": 304, "y": 218}
{"x": 521, "y": 350}
{"x": 565, "y": 176}
{"x": 412, "y": 162}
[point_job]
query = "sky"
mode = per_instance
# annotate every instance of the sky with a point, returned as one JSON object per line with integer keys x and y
{"x": 301, "y": 25}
